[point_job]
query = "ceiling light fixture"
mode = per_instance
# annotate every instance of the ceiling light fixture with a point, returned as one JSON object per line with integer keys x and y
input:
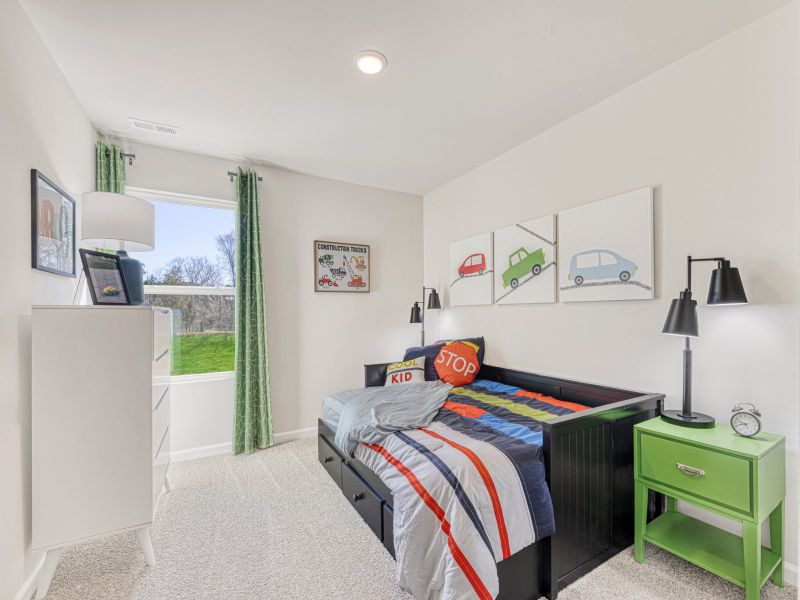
{"x": 370, "y": 62}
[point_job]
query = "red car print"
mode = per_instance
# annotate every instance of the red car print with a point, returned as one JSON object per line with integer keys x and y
{"x": 325, "y": 280}
{"x": 474, "y": 263}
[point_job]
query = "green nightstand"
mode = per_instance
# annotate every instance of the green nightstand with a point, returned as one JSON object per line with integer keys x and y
{"x": 739, "y": 478}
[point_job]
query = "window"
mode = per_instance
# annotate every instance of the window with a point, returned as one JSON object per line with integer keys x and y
{"x": 587, "y": 261}
{"x": 607, "y": 259}
{"x": 192, "y": 271}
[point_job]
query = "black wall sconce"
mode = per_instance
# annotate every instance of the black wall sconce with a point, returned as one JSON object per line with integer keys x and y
{"x": 418, "y": 313}
{"x": 725, "y": 289}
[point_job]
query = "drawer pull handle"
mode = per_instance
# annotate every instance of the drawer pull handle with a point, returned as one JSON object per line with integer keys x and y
{"x": 690, "y": 471}
{"x": 327, "y": 459}
{"x": 357, "y": 497}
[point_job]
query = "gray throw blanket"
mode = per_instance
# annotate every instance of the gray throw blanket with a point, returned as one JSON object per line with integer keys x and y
{"x": 370, "y": 414}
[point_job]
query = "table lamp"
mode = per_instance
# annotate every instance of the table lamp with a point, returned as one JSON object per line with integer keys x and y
{"x": 120, "y": 222}
{"x": 725, "y": 289}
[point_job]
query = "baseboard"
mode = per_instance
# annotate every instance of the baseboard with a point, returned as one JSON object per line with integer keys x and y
{"x": 201, "y": 452}
{"x": 226, "y": 447}
{"x": 296, "y": 434}
{"x": 28, "y": 588}
{"x": 790, "y": 573}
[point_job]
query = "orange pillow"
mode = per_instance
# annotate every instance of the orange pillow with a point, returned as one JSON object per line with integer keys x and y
{"x": 457, "y": 363}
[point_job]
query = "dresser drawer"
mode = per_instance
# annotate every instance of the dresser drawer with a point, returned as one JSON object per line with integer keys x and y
{"x": 329, "y": 459}
{"x": 160, "y": 465}
{"x": 363, "y": 499}
{"x": 162, "y": 368}
{"x": 702, "y": 473}
{"x": 162, "y": 331}
{"x": 160, "y": 387}
{"x": 161, "y": 414}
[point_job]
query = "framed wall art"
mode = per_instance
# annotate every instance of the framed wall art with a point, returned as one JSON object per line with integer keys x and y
{"x": 471, "y": 267}
{"x": 525, "y": 272}
{"x": 606, "y": 249}
{"x": 341, "y": 267}
{"x": 52, "y": 227}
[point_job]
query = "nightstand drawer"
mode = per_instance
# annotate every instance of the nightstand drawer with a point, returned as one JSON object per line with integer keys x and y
{"x": 706, "y": 474}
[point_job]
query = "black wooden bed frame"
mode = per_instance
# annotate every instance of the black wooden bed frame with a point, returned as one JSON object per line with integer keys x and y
{"x": 588, "y": 459}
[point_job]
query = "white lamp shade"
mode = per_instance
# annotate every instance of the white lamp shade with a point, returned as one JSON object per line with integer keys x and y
{"x": 108, "y": 219}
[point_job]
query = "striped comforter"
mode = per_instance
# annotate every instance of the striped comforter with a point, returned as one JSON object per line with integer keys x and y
{"x": 469, "y": 490}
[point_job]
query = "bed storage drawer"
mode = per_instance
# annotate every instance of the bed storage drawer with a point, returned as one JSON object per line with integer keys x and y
{"x": 388, "y": 529}
{"x": 368, "y": 504}
{"x": 330, "y": 459}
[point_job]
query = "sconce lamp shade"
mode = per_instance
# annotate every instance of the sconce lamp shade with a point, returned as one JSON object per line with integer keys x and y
{"x": 726, "y": 285}
{"x": 416, "y": 314}
{"x": 433, "y": 300}
{"x": 108, "y": 219}
{"x": 682, "y": 316}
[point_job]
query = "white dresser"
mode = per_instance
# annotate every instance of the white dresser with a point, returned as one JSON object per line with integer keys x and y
{"x": 100, "y": 424}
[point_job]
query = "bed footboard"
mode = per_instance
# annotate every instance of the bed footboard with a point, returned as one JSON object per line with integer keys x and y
{"x": 589, "y": 467}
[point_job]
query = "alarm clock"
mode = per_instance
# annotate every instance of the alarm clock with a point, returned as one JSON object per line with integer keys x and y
{"x": 746, "y": 421}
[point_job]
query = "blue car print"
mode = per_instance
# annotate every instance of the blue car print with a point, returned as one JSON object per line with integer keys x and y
{"x": 600, "y": 264}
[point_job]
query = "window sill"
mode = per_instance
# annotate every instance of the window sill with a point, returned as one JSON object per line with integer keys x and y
{"x": 197, "y": 377}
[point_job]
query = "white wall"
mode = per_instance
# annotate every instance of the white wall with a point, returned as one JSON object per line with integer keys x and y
{"x": 317, "y": 342}
{"x": 42, "y": 126}
{"x": 717, "y": 133}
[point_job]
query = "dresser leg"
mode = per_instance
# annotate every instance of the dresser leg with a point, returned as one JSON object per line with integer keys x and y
{"x": 167, "y": 486}
{"x": 640, "y": 522}
{"x": 751, "y": 540}
{"x": 776, "y": 541}
{"x": 51, "y": 559}
{"x": 143, "y": 535}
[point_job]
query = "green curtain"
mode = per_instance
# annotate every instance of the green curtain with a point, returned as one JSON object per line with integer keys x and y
{"x": 110, "y": 168}
{"x": 253, "y": 420}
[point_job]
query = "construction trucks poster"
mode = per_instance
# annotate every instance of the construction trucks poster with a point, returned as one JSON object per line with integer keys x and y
{"x": 341, "y": 267}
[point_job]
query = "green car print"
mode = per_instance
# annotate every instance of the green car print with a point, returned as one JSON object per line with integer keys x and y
{"x": 520, "y": 263}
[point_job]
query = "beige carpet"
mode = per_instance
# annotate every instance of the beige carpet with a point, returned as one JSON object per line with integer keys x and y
{"x": 274, "y": 526}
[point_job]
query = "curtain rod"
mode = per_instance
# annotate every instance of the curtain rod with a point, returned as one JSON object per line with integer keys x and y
{"x": 231, "y": 174}
{"x": 130, "y": 156}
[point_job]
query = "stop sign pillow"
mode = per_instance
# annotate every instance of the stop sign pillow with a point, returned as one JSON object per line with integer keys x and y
{"x": 457, "y": 363}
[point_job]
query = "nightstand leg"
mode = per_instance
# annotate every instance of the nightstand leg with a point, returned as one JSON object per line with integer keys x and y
{"x": 640, "y": 522}
{"x": 751, "y": 539}
{"x": 776, "y": 541}
{"x": 672, "y": 504}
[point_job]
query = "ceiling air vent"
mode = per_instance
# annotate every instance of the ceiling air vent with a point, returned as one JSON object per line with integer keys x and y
{"x": 152, "y": 127}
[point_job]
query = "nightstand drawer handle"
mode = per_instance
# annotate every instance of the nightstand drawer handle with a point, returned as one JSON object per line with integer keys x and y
{"x": 690, "y": 471}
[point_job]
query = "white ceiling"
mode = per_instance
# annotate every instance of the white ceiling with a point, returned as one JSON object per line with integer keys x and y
{"x": 274, "y": 81}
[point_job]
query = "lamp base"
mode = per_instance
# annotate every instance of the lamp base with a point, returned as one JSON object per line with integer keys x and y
{"x": 134, "y": 277}
{"x": 695, "y": 420}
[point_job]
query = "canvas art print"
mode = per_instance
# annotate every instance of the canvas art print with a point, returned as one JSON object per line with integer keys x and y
{"x": 471, "y": 268}
{"x": 525, "y": 269}
{"x": 341, "y": 267}
{"x": 52, "y": 227}
{"x": 606, "y": 249}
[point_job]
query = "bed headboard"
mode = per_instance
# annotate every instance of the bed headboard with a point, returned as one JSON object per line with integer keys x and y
{"x": 375, "y": 375}
{"x": 588, "y": 394}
